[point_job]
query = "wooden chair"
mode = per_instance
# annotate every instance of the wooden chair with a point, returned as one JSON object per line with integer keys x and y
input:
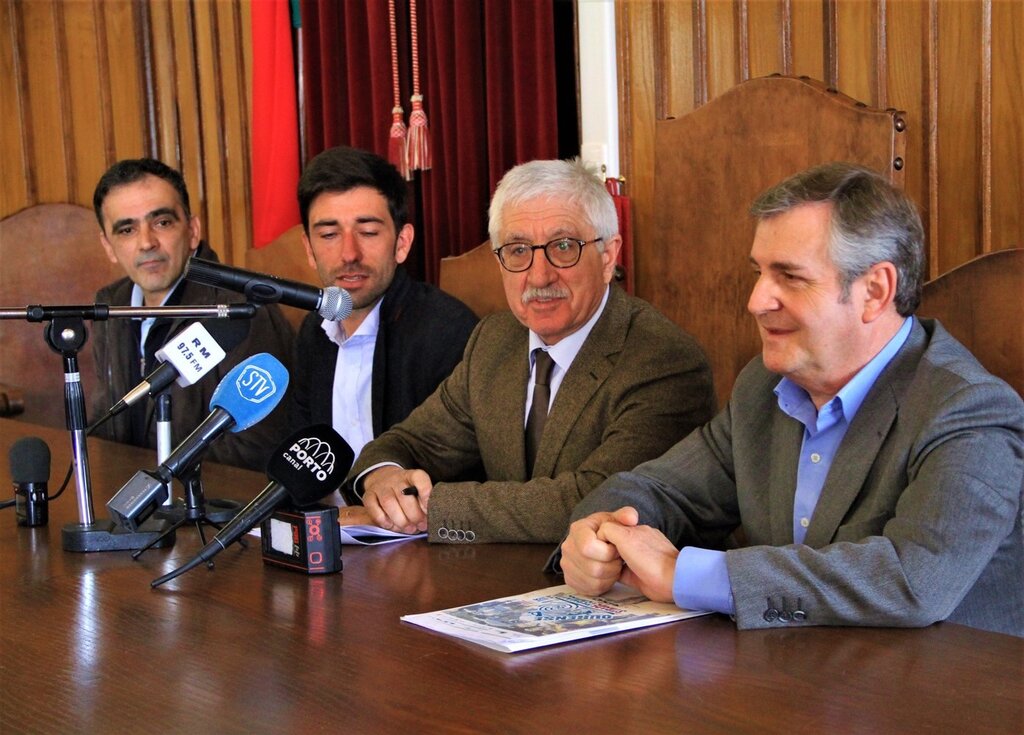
{"x": 474, "y": 279}
{"x": 50, "y": 254}
{"x": 285, "y": 257}
{"x": 981, "y": 303}
{"x": 711, "y": 164}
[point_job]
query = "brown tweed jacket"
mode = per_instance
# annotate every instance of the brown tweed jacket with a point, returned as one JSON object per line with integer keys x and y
{"x": 637, "y": 386}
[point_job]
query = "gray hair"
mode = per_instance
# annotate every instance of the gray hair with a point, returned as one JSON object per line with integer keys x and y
{"x": 572, "y": 180}
{"x": 872, "y": 222}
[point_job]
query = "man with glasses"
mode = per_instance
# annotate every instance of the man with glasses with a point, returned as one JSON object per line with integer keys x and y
{"x": 579, "y": 381}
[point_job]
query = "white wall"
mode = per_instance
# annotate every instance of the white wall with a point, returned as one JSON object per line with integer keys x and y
{"x": 599, "y": 103}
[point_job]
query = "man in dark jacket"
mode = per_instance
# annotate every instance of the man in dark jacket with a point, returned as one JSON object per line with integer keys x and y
{"x": 146, "y": 226}
{"x": 369, "y": 371}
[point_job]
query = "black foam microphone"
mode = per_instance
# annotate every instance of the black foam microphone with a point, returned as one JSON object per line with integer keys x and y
{"x": 244, "y": 397}
{"x": 29, "y": 458}
{"x": 307, "y": 466}
{"x": 188, "y": 356}
{"x": 332, "y": 303}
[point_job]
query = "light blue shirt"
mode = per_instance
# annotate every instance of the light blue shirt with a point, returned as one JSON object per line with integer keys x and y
{"x": 701, "y": 580}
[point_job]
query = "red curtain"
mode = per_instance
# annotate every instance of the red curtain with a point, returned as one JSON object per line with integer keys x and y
{"x": 275, "y": 130}
{"x": 488, "y": 82}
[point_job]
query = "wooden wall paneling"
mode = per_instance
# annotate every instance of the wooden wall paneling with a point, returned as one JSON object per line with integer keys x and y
{"x": 14, "y": 179}
{"x": 211, "y": 119}
{"x": 722, "y": 48}
{"x": 808, "y": 38}
{"x": 765, "y": 38}
{"x": 856, "y": 51}
{"x": 636, "y": 70}
{"x": 47, "y": 143}
{"x": 932, "y": 83}
{"x": 246, "y": 40}
{"x": 1007, "y": 124}
{"x": 958, "y": 123}
{"x": 86, "y": 127}
{"x": 234, "y": 115}
{"x": 188, "y": 155}
{"x": 985, "y": 127}
{"x": 166, "y": 136}
{"x": 907, "y": 74}
{"x": 676, "y": 43}
{"x": 127, "y": 92}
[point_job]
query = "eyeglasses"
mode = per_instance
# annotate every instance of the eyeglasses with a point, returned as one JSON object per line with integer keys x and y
{"x": 564, "y": 252}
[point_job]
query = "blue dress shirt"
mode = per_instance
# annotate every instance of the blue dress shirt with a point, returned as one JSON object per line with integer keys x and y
{"x": 701, "y": 580}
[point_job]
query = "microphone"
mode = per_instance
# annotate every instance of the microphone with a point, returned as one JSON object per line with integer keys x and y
{"x": 190, "y": 355}
{"x": 244, "y": 397}
{"x": 29, "y": 458}
{"x": 307, "y": 466}
{"x": 333, "y": 303}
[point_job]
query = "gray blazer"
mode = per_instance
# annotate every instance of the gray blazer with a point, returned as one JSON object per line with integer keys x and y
{"x": 920, "y": 518}
{"x": 637, "y": 386}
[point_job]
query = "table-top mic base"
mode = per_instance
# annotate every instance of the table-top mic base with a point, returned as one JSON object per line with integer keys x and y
{"x": 214, "y": 510}
{"x": 104, "y": 535}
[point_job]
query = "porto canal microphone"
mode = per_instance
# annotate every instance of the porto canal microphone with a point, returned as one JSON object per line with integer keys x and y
{"x": 307, "y": 466}
{"x": 188, "y": 356}
{"x": 29, "y": 458}
{"x": 245, "y": 396}
{"x": 333, "y": 303}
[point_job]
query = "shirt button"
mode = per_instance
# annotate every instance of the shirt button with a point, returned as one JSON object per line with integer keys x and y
{"x": 804, "y": 522}
{"x": 815, "y": 457}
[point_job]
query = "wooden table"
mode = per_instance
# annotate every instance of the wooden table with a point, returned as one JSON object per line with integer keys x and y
{"x": 87, "y": 646}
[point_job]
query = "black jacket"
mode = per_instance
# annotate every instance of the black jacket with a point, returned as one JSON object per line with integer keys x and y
{"x": 421, "y": 337}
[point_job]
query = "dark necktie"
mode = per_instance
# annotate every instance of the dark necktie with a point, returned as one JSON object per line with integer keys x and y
{"x": 539, "y": 406}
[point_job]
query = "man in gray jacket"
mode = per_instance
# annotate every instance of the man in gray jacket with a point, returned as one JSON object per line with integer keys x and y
{"x": 874, "y": 467}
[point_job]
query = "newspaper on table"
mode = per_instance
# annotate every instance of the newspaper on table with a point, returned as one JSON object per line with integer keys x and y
{"x": 548, "y": 616}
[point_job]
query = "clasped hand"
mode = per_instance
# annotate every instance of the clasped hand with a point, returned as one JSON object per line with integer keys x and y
{"x": 389, "y": 506}
{"x": 605, "y": 548}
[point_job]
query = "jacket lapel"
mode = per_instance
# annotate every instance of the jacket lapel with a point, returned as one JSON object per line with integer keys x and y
{"x": 508, "y": 403}
{"x": 592, "y": 366}
{"x": 860, "y": 447}
{"x": 786, "y": 439}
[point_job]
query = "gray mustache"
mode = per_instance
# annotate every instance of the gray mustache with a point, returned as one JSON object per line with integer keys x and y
{"x": 548, "y": 292}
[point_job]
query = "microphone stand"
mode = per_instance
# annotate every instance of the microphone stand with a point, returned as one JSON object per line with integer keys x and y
{"x": 164, "y": 445}
{"x": 66, "y": 334}
{"x": 194, "y": 511}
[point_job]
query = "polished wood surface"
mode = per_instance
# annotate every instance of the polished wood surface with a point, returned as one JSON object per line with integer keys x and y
{"x": 87, "y": 646}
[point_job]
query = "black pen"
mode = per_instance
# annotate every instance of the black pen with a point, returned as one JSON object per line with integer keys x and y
{"x": 411, "y": 491}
